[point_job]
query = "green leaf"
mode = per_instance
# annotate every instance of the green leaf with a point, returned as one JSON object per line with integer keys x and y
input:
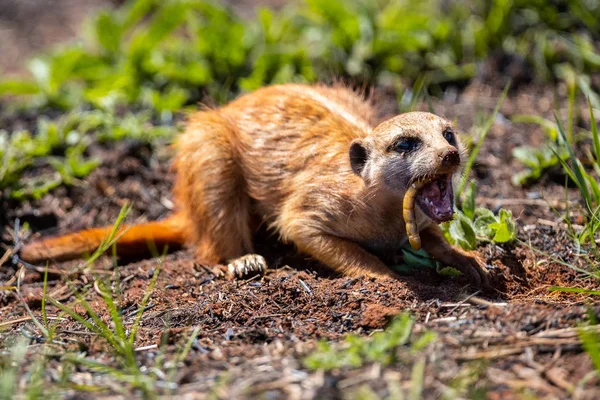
{"x": 468, "y": 205}
{"x": 595, "y": 137}
{"x": 462, "y": 232}
{"x": 40, "y": 69}
{"x": 36, "y": 188}
{"x": 594, "y": 188}
{"x": 138, "y": 9}
{"x": 169, "y": 16}
{"x": 482, "y": 223}
{"x": 16, "y": 87}
{"x": 505, "y": 228}
{"x": 527, "y": 155}
{"x": 524, "y": 177}
{"x": 108, "y": 31}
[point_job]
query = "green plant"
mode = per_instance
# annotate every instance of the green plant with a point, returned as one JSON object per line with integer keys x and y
{"x": 9, "y": 369}
{"x": 21, "y": 150}
{"x": 23, "y": 372}
{"x": 380, "y": 347}
{"x": 586, "y": 182}
{"x": 590, "y": 340}
{"x": 472, "y": 225}
{"x": 538, "y": 161}
{"x": 62, "y": 145}
{"x": 164, "y": 55}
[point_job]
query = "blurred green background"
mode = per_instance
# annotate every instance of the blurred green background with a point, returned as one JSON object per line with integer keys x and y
{"x": 127, "y": 70}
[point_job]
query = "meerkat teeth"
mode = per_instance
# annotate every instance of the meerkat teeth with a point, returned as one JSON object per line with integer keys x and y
{"x": 408, "y": 212}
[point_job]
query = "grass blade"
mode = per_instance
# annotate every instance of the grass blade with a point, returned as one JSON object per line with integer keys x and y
{"x": 577, "y": 169}
{"x": 481, "y": 139}
{"x": 574, "y": 290}
{"x": 188, "y": 344}
{"x": 99, "y": 327}
{"x": 595, "y": 138}
{"x": 138, "y": 317}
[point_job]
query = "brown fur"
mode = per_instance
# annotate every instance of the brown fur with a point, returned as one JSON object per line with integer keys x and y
{"x": 280, "y": 156}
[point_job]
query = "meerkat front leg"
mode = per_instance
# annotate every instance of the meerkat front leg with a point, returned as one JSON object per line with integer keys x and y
{"x": 436, "y": 245}
{"x": 247, "y": 265}
{"x": 341, "y": 255}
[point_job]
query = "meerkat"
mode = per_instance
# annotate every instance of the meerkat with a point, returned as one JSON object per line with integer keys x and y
{"x": 309, "y": 162}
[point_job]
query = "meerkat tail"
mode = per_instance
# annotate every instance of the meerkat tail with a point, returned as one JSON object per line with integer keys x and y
{"x": 408, "y": 212}
{"x": 133, "y": 240}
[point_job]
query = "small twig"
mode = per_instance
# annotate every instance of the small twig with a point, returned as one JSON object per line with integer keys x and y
{"x": 351, "y": 282}
{"x": 24, "y": 319}
{"x": 149, "y": 347}
{"x": 15, "y": 321}
{"x": 445, "y": 319}
{"x": 267, "y": 316}
{"x": 490, "y": 354}
{"x": 257, "y": 276}
{"x": 566, "y": 332}
{"x": 464, "y": 301}
{"x": 305, "y": 287}
{"x": 148, "y": 307}
{"x": 526, "y": 202}
{"x": 555, "y": 376}
{"x": 448, "y": 305}
{"x": 84, "y": 333}
{"x": 6, "y": 256}
{"x": 547, "y": 222}
{"x": 478, "y": 301}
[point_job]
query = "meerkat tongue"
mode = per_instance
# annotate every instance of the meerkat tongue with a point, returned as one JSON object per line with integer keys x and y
{"x": 436, "y": 199}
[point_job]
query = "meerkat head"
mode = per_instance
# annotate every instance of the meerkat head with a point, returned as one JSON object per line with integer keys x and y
{"x": 408, "y": 148}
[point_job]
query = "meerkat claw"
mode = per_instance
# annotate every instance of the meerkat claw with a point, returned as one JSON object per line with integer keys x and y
{"x": 247, "y": 265}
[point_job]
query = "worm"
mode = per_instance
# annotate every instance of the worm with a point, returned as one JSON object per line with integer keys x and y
{"x": 408, "y": 212}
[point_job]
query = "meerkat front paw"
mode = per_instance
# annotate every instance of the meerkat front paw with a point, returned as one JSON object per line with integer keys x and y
{"x": 472, "y": 266}
{"x": 247, "y": 265}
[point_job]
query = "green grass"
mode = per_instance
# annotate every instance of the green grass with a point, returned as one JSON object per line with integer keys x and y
{"x": 563, "y": 151}
{"x": 125, "y": 369}
{"x": 167, "y": 54}
{"x": 586, "y": 180}
{"x": 380, "y": 347}
{"x": 573, "y": 149}
{"x": 394, "y": 347}
{"x": 118, "y": 333}
{"x": 59, "y": 148}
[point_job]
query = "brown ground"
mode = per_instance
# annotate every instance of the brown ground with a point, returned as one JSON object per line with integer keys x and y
{"x": 254, "y": 334}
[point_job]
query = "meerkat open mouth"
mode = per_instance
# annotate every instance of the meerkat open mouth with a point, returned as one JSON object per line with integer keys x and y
{"x": 436, "y": 199}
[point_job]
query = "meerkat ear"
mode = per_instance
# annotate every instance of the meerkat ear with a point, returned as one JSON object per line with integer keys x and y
{"x": 358, "y": 156}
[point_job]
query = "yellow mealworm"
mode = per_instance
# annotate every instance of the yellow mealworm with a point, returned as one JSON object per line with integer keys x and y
{"x": 408, "y": 212}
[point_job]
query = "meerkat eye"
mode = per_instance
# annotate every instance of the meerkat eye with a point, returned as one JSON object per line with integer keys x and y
{"x": 406, "y": 144}
{"x": 449, "y": 136}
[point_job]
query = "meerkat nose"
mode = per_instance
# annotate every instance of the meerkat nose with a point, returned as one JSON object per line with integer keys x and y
{"x": 450, "y": 158}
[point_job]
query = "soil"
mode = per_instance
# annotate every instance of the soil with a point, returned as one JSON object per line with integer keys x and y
{"x": 254, "y": 334}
